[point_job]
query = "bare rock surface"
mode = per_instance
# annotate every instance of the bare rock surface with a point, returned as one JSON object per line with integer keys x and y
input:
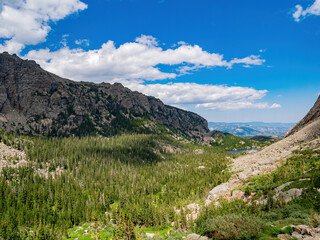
{"x": 284, "y": 236}
{"x": 10, "y": 157}
{"x": 305, "y": 232}
{"x": 194, "y": 236}
{"x": 13, "y": 158}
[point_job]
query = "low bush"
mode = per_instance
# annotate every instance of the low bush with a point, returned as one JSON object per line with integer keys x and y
{"x": 315, "y": 220}
{"x": 237, "y": 227}
{"x": 272, "y": 231}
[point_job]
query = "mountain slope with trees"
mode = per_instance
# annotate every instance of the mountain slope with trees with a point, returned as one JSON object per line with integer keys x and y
{"x": 34, "y": 101}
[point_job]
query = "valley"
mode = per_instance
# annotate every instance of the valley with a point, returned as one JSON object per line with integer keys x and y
{"x": 98, "y": 161}
{"x": 138, "y": 179}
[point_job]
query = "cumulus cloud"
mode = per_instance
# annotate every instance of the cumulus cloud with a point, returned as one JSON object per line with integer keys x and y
{"x": 26, "y": 22}
{"x": 190, "y": 93}
{"x": 134, "y": 63}
{"x": 236, "y": 105}
{"x": 248, "y": 61}
{"x": 209, "y": 96}
{"x": 300, "y": 13}
{"x": 83, "y": 42}
{"x": 132, "y": 60}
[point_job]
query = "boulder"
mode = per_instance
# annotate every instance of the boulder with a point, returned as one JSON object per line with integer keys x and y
{"x": 194, "y": 236}
{"x": 297, "y": 235}
{"x": 304, "y": 230}
{"x": 288, "y": 195}
{"x": 284, "y": 236}
{"x": 150, "y": 235}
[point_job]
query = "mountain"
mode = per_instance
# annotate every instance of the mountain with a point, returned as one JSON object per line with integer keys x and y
{"x": 312, "y": 115}
{"x": 282, "y": 180}
{"x": 37, "y": 102}
{"x": 252, "y": 128}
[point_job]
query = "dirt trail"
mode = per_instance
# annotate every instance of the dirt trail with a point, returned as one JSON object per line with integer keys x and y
{"x": 264, "y": 161}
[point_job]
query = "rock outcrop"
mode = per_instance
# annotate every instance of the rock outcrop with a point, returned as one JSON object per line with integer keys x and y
{"x": 311, "y": 116}
{"x": 37, "y": 102}
{"x": 10, "y": 157}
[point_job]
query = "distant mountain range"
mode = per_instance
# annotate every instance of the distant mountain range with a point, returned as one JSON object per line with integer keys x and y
{"x": 252, "y": 128}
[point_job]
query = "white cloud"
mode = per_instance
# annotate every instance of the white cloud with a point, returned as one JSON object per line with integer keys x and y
{"x": 208, "y": 96}
{"x": 248, "y": 61}
{"x": 147, "y": 40}
{"x": 26, "y": 22}
{"x": 229, "y": 105}
{"x": 132, "y": 61}
{"x": 300, "y": 13}
{"x": 64, "y": 40}
{"x": 84, "y": 42}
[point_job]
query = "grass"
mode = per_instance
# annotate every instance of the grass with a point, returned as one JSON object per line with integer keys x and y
{"x": 298, "y": 184}
{"x": 87, "y": 232}
{"x": 231, "y": 142}
{"x": 105, "y": 232}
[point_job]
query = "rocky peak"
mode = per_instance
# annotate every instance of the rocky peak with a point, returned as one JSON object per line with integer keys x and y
{"x": 311, "y": 116}
{"x": 35, "y": 101}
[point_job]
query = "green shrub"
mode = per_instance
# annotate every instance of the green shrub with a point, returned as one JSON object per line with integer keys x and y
{"x": 233, "y": 227}
{"x": 316, "y": 178}
{"x": 272, "y": 231}
{"x": 293, "y": 211}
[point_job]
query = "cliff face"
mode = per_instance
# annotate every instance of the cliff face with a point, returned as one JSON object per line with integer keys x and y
{"x": 311, "y": 116}
{"x": 35, "y": 101}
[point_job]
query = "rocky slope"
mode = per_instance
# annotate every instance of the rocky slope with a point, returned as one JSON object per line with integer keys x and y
{"x": 265, "y": 161}
{"x": 306, "y": 134}
{"x": 311, "y": 116}
{"x": 35, "y": 101}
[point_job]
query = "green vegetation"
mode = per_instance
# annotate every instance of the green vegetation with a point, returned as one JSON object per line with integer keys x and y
{"x": 127, "y": 181}
{"x": 128, "y": 186}
{"x": 231, "y": 142}
{"x": 233, "y": 227}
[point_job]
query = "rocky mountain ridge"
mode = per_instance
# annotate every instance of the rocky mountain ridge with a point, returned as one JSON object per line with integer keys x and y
{"x": 34, "y": 101}
{"x": 311, "y": 116}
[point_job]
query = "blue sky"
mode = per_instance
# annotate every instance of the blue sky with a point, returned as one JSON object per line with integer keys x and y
{"x": 226, "y": 60}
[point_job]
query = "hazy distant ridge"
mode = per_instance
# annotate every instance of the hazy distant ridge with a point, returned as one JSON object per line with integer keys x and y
{"x": 252, "y": 128}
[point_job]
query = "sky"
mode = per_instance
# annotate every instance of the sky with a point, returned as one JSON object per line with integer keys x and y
{"x": 227, "y": 60}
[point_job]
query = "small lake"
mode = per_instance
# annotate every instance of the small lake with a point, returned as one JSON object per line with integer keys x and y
{"x": 242, "y": 150}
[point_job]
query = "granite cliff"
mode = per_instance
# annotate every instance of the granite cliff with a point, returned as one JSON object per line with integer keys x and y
{"x": 34, "y": 101}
